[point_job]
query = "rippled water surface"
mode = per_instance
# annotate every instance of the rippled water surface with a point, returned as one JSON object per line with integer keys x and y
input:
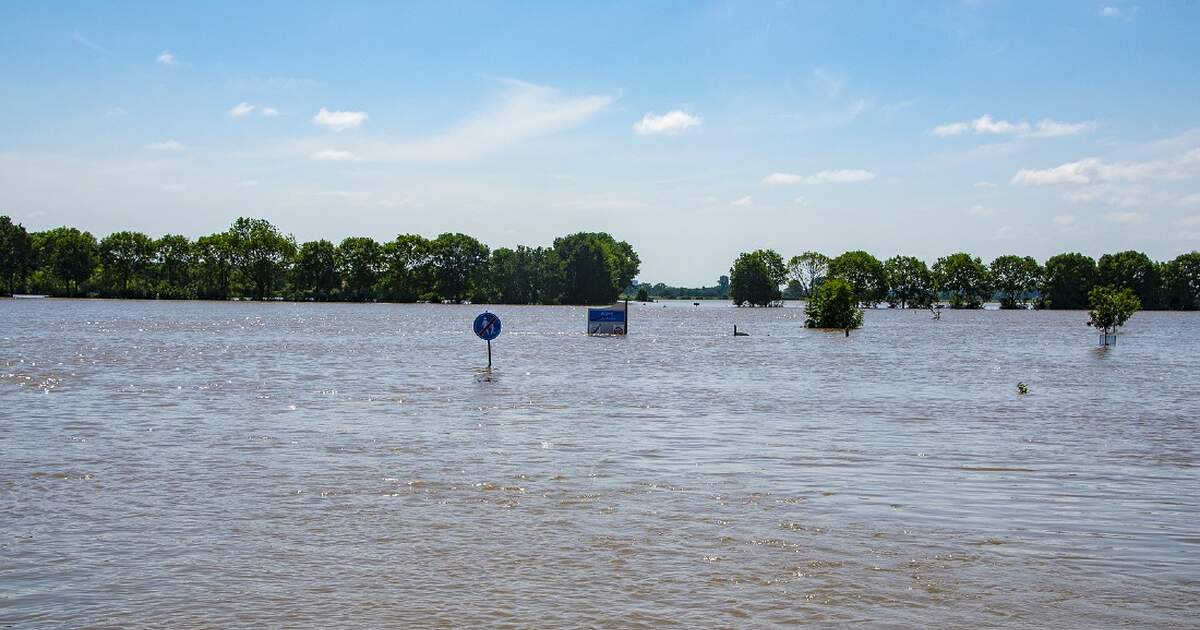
{"x": 221, "y": 464}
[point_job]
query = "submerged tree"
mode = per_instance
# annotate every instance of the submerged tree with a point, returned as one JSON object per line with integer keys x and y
{"x": 755, "y": 277}
{"x": 1111, "y": 308}
{"x": 1181, "y": 282}
{"x": 314, "y": 273}
{"x": 125, "y": 262}
{"x": 16, "y": 254}
{"x": 910, "y": 285}
{"x": 174, "y": 257}
{"x": 833, "y": 305}
{"x": 808, "y": 270}
{"x": 964, "y": 278}
{"x": 262, "y": 254}
{"x": 68, "y": 254}
{"x": 1134, "y": 270}
{"x": 360, "y": 263}
{"x": 865, "y": 274}
{"x": 1067, "y": 279}
{"x": 595, "y": 267}
{"x": 1015, "y": 277}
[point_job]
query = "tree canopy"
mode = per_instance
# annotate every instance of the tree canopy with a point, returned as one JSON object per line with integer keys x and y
{"x": 865, "y": 274}
{"x": 1111, "y": 307}
{"x": 1015, "y": 278}
{"x": 1067, "y": 279}
{"x": 755, "y": 278}
{"x": 833, "y": 305}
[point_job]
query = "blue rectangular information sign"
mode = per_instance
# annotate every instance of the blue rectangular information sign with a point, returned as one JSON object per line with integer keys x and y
{"x": 607, "y": 321}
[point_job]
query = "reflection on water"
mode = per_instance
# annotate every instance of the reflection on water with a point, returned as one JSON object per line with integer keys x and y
{"x": 208, "y": 464}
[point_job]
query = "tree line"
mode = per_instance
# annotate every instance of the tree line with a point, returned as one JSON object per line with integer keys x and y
{"x": 1065, "y": 281}
{"x": 253, "y": 259}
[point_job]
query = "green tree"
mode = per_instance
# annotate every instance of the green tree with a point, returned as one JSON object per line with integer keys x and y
{"x": 595, "y": 267}
{"x": 1111, "y": 308}
{"x": 173, "y": 260}
{"x": 1135, "y": 271}
{"x": 261, "y": 254}
{"x": 909, "y": 282}
{"x": 408, "y": 272}
{"x": 833, "y": 304}
{"x": 1181, "y": 281}
{"x": 865, "y": 274}
{"x": 1015, "y": 277}
{"x": 755, "y": 277}
{"x": 16, "y": 254}
{"x": 458, "y": 265}
{"x": 213, "y": 269}
{"x": 964, "y": 278}
{"x": 125, "y": 263}
{"x": 360, "y": 263}
{"x": 1067, "y": 279}
{"x": 807, "y": 270}
{"x": 314, "y": 273}
{"x": 68, "y": 255}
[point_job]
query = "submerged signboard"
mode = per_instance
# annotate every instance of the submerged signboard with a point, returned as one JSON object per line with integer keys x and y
{"x": 608, "y": 320}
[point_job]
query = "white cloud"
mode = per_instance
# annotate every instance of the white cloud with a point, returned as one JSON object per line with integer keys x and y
{"x": 1092, "y": 170}
{"x": 670, "y": 123}
{"x": 1109, "y": 195}
{"x": 951, "y": 129}
{"x": 333, "y": 155}
{"x": 169, "y": 145}
{"x": 269, "y": 111}
{"x": 1050, "y": 128}
{"x": 1063, "y": 220}
{"x": 844, "y": 176}
{"x": 1128, "y": 218}
{"x": 742, "y": 201}
{"x": 1045, "y": 128}
{"x": 239, "y": 110}
{"x": 1190, "y": 200}
{"x": 1110, "y": 11}
{"x": 984, "y": 185}
{"x": 800, "y": 201}
{"x": 167, "y": 59}
{"x": 980, "y": 211}
{"x": 339, "y": 121}
{"x": 1004, "y": 232}
{"x": 523, "y": 111}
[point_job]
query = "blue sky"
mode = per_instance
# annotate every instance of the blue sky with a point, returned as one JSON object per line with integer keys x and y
{"x": 693, "y": 130}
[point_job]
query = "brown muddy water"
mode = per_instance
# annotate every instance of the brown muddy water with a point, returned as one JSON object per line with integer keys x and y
{"x": 301, "y": 465}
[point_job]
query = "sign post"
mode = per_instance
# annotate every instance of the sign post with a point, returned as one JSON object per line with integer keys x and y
{"x": 609, "y": 320}
{"x": 487, "y": 327}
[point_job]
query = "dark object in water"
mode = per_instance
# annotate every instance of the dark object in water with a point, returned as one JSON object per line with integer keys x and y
{"x": 1022, "y": 388}
{"x": 695, "y": 304}
{"x": 739, "y": 334}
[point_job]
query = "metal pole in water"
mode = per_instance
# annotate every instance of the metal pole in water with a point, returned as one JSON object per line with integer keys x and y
{"x": 489, "y": 354}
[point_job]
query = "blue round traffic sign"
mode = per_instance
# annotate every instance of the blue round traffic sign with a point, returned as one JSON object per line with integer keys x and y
{"x": 487, "y": 326}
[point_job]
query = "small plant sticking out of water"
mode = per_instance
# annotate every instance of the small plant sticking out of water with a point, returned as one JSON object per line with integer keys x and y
{"x": 1022, "y": 389}
{"x": 1110, "y": 309}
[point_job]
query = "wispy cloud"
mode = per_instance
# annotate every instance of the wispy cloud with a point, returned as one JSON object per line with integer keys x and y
{"x": 844, "y": 176}
{"x": 1125, "y": 218}
{"x": 832, "y": 84}
{"x": 269, "y": 111}
{"x": 522, "y": 112}
{"x": 166, "y": 58}
{"x": 240, "y": 110}
{"x": 986, "y": 125}
{"x": 87, "y": 43}
{"x": 168, "y": 145}
{"x": 334, "y": 155}
{"x": 671, "y": 123}
{"x": 1093, "y": 170}
{"x": 742, "y": 201}
{"x": 980, "y": 211}
{"x": 339, "y": 121}
{"x": 1115, "y": 12}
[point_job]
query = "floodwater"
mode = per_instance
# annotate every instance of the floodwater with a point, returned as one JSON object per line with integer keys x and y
{"x": 301, "y": 465}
